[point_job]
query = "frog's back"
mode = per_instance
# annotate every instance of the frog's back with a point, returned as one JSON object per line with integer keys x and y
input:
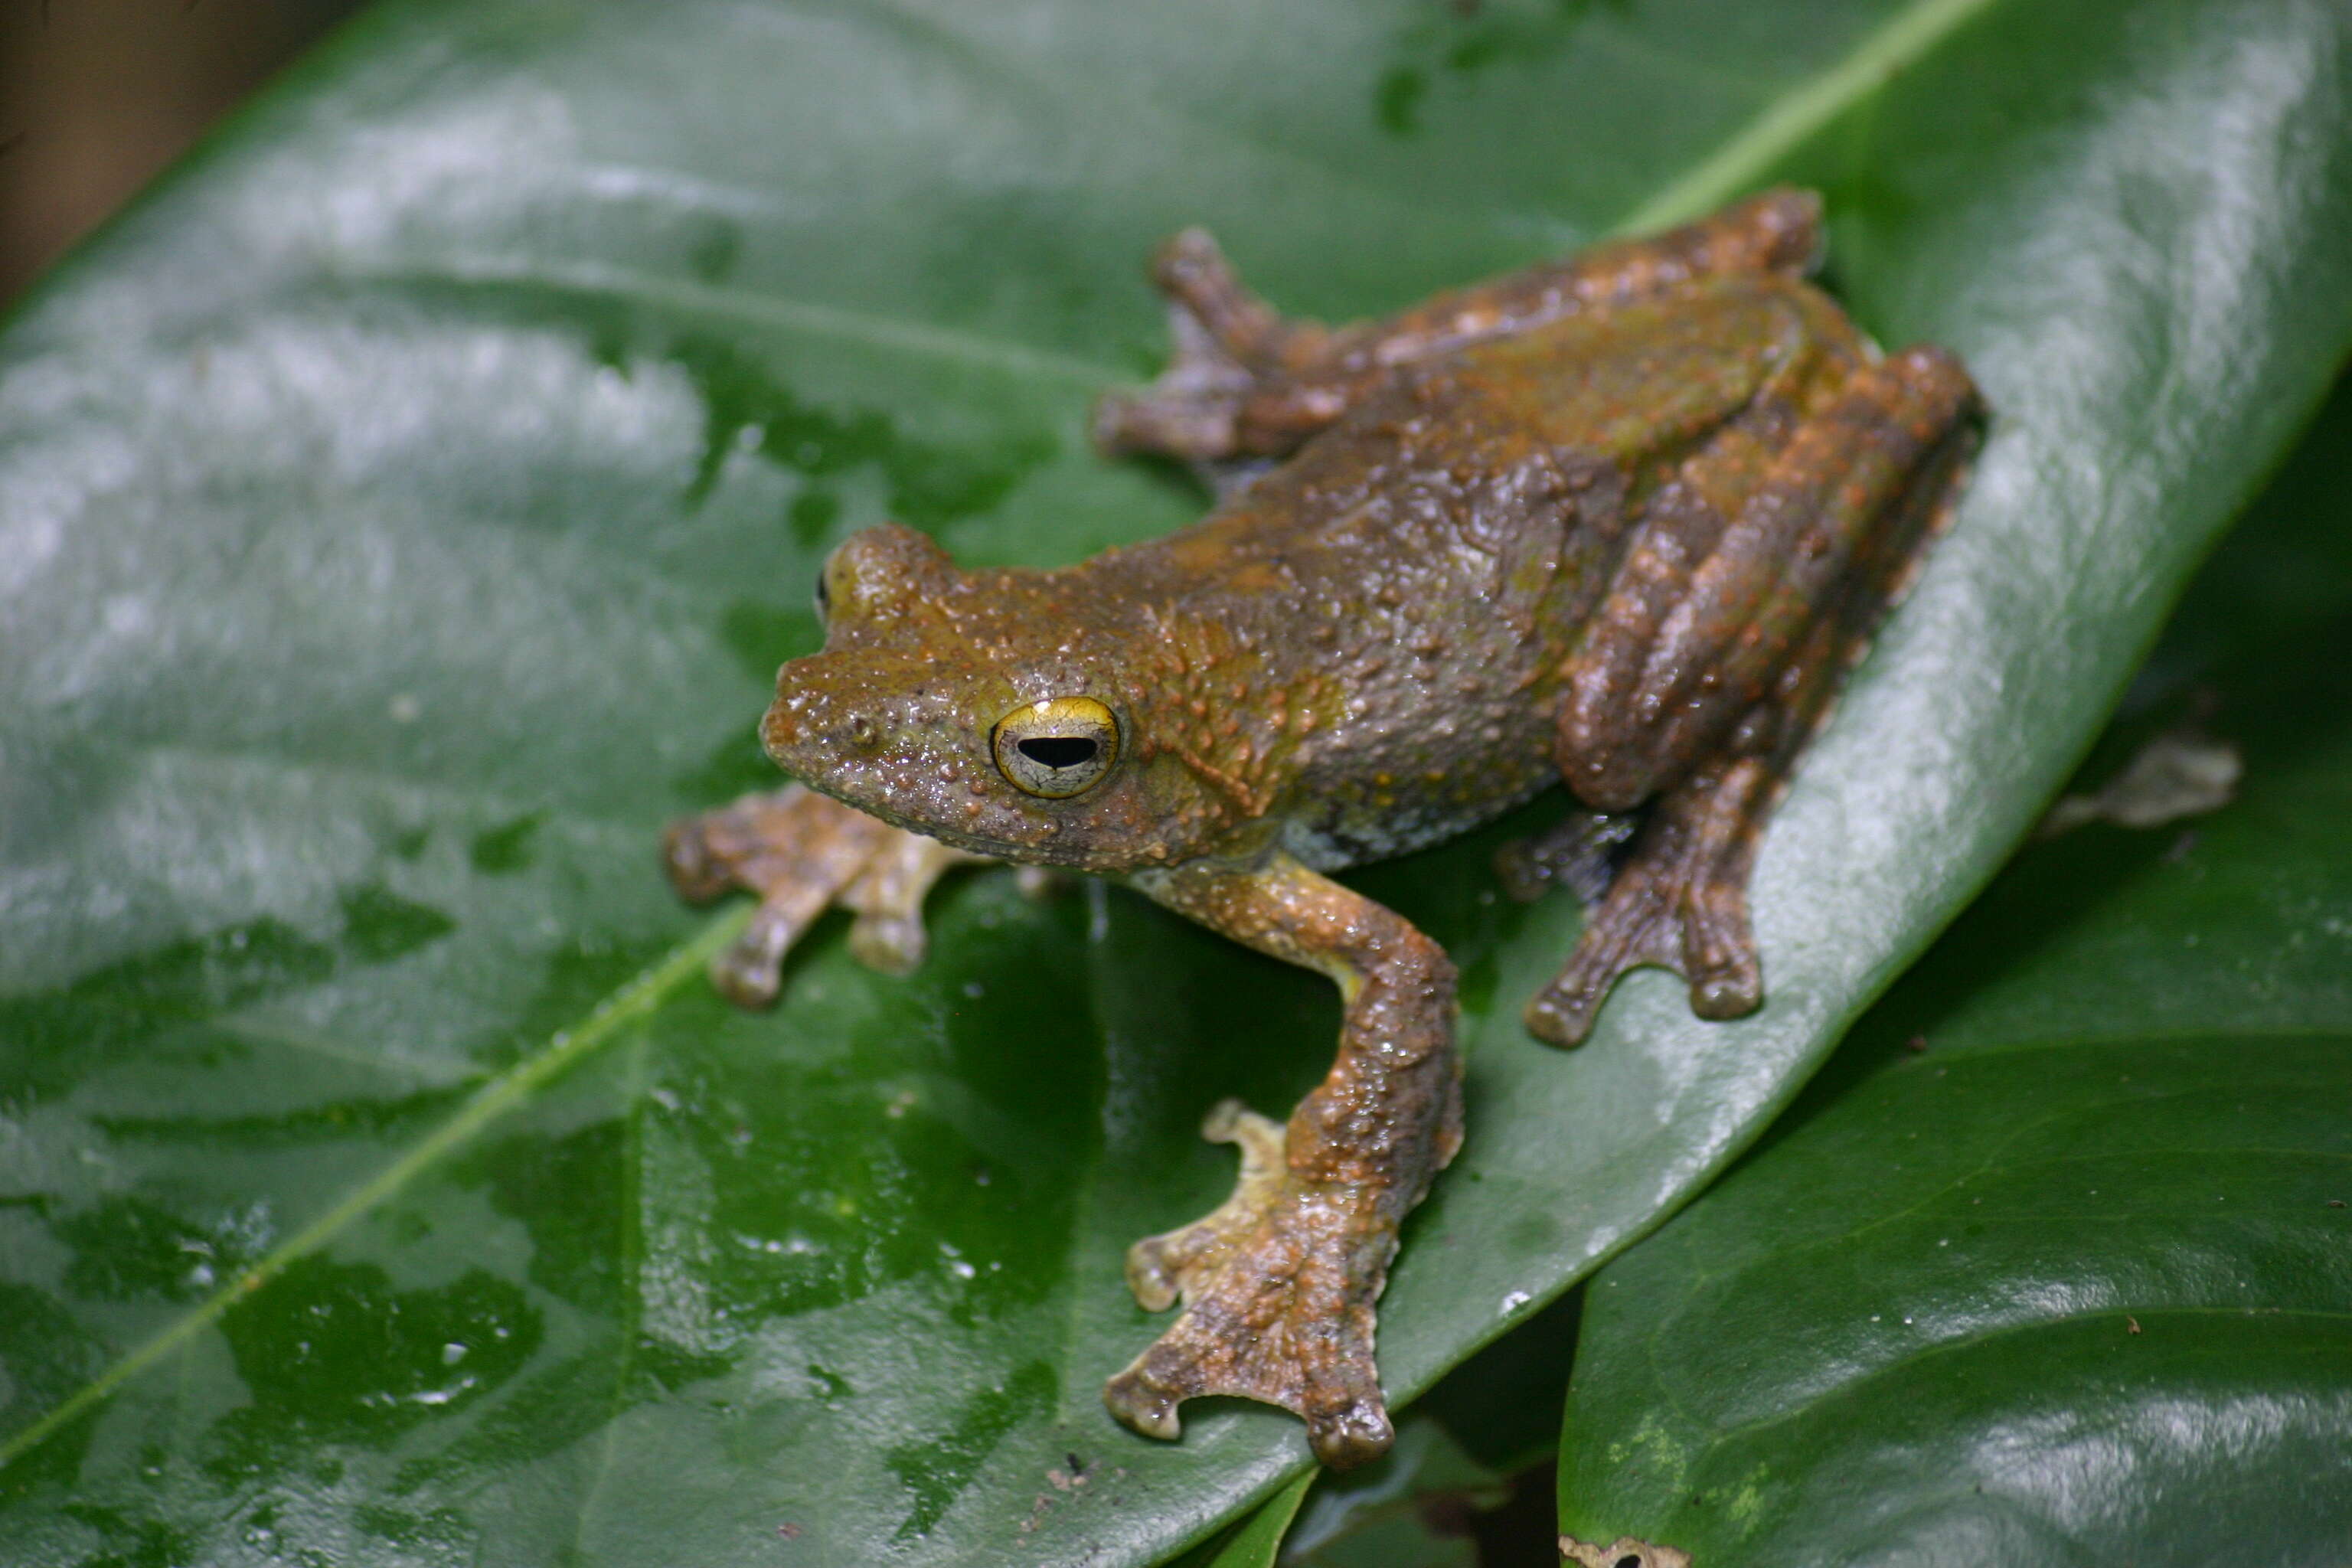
{"x": 1496, "y": 448}
{"x": 1412, "y": 583}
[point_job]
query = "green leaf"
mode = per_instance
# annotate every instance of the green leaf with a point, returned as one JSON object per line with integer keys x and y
{"x": 1256, "y": 1540}
{"x": 1380, "y": 1515}
{"x": 1469, "y": 1480}
{"x": 402, "y": 511}
{"x": 2052, "y": 1265}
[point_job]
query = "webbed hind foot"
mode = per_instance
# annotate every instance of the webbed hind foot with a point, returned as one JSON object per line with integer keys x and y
{"x": 1278, "y": 1284}
{"x": 1680, "y": 902}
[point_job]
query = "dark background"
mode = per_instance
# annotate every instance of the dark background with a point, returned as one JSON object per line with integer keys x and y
{"x": 98, "y": 96}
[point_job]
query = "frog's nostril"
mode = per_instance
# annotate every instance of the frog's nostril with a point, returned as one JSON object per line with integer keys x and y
{"x": 862, "y": 734}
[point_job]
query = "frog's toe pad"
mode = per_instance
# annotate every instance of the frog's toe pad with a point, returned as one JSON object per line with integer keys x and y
{"x": 751, "y": 970}
{"x": 889, "y": 943}
{"x": 1278, "y": 1284}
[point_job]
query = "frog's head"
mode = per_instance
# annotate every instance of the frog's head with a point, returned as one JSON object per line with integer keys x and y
{"x": 990, "y": 709}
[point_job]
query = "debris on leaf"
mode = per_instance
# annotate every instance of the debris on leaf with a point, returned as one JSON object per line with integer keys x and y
{"x": 2180, "y": 773}
{"x": 1623, "y": 1552}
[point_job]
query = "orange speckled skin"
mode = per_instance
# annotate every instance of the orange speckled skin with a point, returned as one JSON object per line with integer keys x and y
{"x": 1619, "y": 521}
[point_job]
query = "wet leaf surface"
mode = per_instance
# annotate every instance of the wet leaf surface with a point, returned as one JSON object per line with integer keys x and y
{"x": 1256, "y": 1540}
{"x": 402, "y": 510}
{"x": 2050, "y": 1264}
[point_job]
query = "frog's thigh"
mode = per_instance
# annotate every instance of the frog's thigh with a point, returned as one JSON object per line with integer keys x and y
{"x": 1279, "y": 1283}
{"x": 1716, "y": 702}
{"x": 1777, "y": 232}
{"x": 1247, "y": 382}
{"x": 1682, "y": 649}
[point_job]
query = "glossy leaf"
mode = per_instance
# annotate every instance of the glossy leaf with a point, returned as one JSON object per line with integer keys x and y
{"x": 401, "y": 513}
{"x": 1255, "y": 1540}
{"x": 1380, "y": 1515}
{"x": 2051, "y": 1266}
{"x": 1468, "y": 1482}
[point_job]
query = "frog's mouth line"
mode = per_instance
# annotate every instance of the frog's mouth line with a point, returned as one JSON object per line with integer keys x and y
{"x": 905, "y": 792}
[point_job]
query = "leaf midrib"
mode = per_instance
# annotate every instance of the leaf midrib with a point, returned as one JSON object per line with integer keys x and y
{"x": 1787, "y": 122}
{"x": 1782, "y": 124}
{"x": 742, "y": 305}
{"x": 565, "y": 1046}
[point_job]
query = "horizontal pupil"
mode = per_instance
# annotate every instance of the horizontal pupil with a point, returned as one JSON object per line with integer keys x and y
{"x": 1058, "y": 750}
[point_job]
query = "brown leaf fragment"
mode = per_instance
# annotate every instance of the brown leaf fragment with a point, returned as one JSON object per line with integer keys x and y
{"x": 2180, "y": 773}
{"x": 1623, "y": 1552}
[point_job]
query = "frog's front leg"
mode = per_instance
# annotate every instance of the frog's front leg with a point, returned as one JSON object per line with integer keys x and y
{"x": 1715, "y": 659}
{"x": 1279, "y": 1283}
{"x": 801, "y": 852}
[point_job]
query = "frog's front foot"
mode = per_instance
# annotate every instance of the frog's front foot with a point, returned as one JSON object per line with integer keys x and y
{"x": 1679, "y": 902}
{"x": 801, "y": 852}
{"x": 1278, "y": 1284}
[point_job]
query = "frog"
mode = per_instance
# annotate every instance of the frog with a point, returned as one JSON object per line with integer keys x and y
{"x": 1620, "y": 521}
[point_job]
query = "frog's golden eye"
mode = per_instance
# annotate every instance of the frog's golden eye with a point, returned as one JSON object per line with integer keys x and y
{"x": 1057, "y": 748}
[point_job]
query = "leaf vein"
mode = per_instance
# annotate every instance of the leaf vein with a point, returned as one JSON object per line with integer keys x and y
{"x": 744, "y": 307}
{"x": 565, "y": 1046}
{"x": 1787, "y": 121}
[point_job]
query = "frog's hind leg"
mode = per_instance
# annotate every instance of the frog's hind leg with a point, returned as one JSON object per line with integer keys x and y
{"x": 1226, "y": 342}
{"x": 1245, "y": 382}
{"x": 1731, "y": 660}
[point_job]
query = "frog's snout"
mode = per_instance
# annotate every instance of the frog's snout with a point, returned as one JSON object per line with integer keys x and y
{"x": 780, "y": 731}
{"x": 796, "y": 724}
{"x": 795, "y": 729}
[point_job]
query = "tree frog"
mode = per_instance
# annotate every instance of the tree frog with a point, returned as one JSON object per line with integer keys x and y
{"x": 1620, "y": 520}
